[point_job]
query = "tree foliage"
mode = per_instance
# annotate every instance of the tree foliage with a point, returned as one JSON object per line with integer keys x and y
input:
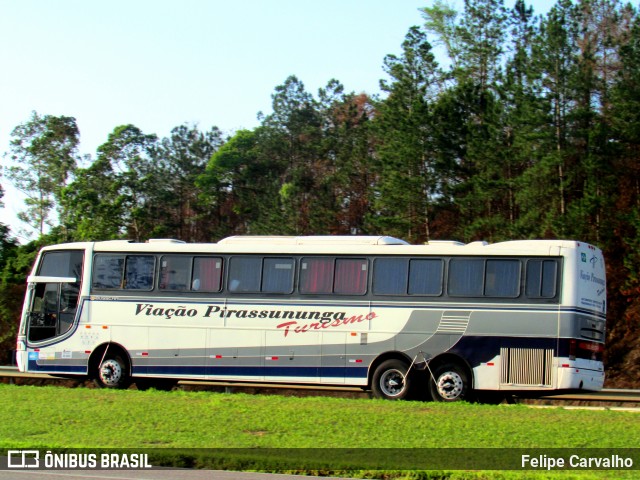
{"x": 44, "y": 152}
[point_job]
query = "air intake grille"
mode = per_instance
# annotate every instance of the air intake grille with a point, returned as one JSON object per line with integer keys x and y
{"x": 526, "y": 366}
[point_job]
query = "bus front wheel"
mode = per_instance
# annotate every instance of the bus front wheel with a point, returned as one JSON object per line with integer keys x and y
{"x": 450, "y": 383}
{"x": 112, "y": 373}
{"x": 390, "y": 380}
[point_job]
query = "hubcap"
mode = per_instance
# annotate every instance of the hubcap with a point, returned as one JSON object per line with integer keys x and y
{"x": 111, "y": 373}
{"x": 450, "y": 385}
{"x": 392, "y": 383}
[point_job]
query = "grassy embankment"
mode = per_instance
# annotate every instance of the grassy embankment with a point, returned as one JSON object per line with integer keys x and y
{"x": 322, "y": 430}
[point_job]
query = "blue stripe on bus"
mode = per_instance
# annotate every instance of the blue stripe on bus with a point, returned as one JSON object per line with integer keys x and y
{"x": 35, "y": 367}
{"x": 237, "y": 371}
{"x": 253, "y": 371}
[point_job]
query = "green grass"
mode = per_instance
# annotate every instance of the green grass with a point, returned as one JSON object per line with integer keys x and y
{"x": 53, "y": 417}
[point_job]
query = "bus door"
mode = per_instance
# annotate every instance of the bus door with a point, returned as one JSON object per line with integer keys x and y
{"x": 53, "y": 295}
{"x": 52, "y": 307}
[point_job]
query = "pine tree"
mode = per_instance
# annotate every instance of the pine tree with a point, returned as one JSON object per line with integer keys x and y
{"x": 407, "y": 182}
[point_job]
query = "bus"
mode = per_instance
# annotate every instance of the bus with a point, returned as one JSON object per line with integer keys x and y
{"x": 445, "y": 320}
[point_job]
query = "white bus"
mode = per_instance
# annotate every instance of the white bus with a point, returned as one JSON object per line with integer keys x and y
{"x": 456, "y": 321}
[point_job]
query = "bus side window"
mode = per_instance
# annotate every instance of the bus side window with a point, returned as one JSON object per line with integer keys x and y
{"x": 390, "y": 276}
{"x": 207, "y": 274}
{"x": 425, "y": 276}
{"x": 466, "y": 277}
{"x": 139, "y": 272}
{"x": 245, "y": 274}
{"x": 108, "y": 271}
{"x": 502, "y": 278}
{"x": 316, "y": 275}
{"x": 498, "y": 278}
{"x": 277, "y": 275}
{"x": 542, "y": 277}
{"x": 351, "y": 276}
{"x": 175, "y": 272}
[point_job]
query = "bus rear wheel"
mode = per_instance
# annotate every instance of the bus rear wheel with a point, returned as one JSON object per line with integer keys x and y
{"x": 390, "y": 380}
{"x": 112, "y": 373}
{"x": 450, "y": 383}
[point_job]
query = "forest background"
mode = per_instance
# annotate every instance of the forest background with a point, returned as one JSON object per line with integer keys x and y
{"x": 530, "y": 130}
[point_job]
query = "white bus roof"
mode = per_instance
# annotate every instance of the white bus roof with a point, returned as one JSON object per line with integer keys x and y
{"x": 311, "y": 240}
{"x": 339, "y": 244}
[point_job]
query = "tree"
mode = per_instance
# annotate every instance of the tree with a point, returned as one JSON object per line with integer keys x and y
{"x": 468, "y": 131}
{"x": 116, "y": 195}
{"x": 543, "y": 186}
{"x": 346, "y": 173}
{"x": 181, "y": 159}
{"x": 231, "y": 185}
{"x": 440, "y": 20}
{"x": 44, "y": 149}
{"x": 294, "y": 134}
{"x": 623, "y": 252}
{"x": 15, "y": 264}
{"x": 524, "y": 115}
{"x": 481, "y": 31}
{"x": 407, "y": 182}
{"x": 93, "y": 203}
{"x": 603, "y": 29}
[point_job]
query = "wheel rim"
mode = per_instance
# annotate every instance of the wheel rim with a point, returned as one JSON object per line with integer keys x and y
{"x": 450, "y": 385}
{"x": 111, "y": 373}
{"x": 392, "y": 383}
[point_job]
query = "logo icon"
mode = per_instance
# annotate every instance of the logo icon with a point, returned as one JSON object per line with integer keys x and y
{"x": 23, "y": 458}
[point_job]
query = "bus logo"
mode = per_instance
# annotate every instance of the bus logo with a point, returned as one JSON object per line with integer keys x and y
{"x": 25, "y": 458}
{"x": 584, "y": 257}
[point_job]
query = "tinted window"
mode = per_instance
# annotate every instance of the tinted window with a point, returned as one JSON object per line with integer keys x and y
{"x": 350, "y": 276}
{"x": 466, "y": 277}
{"x": 108, "y": 271}
{"x": 139, "y": 272}
{"x": 425, "y": 277}
{"x": 390, "y": 276}
{"x": 207, "y": 274}
{"x": 541, "y": 278}
{"x": 244, "y": 274}
{"x": 277, "y": 275}
{"x": 175, "y": 272}
{"x": 62, "y": 264}
{"x": 316, "y": 275}
{"x": 502, "y": 278}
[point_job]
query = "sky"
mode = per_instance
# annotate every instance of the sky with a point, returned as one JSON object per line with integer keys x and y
{"x": 158, "y": 64}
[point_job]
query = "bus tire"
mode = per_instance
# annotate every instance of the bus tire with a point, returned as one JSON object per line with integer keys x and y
{"x": 113, "y": 373}
{"x": 390, "y": 380}
{"x": 450, "y": 383}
